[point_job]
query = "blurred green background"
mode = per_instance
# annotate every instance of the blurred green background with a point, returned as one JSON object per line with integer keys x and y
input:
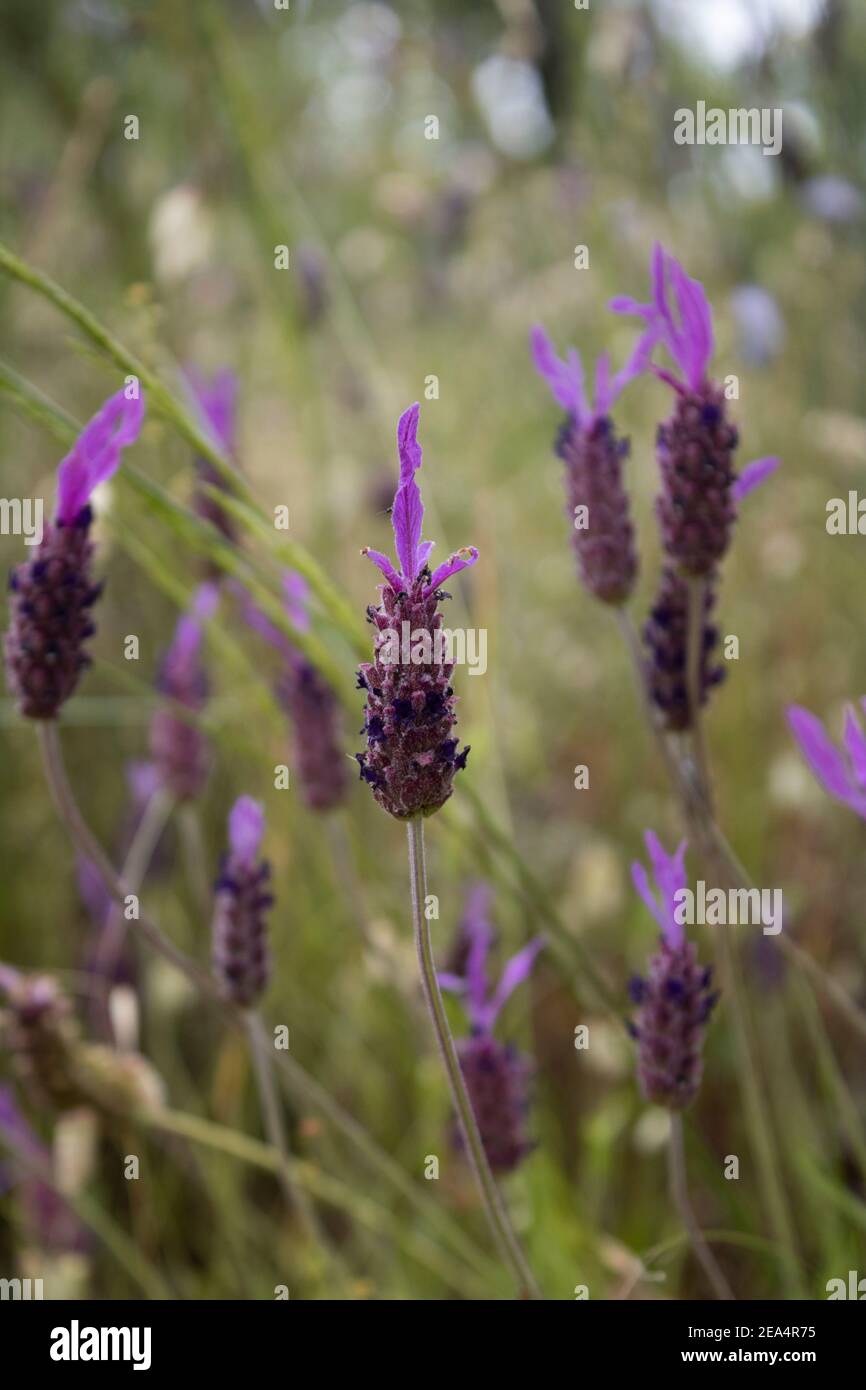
{"x": 413, "y": 258}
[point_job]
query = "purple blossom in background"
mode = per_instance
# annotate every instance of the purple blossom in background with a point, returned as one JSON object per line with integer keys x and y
{"x": 216, "y": 403}
{"x": 241, "y": 959}
{"x": 665, "y": 637}
{"x": 675, "y": 1000}
{"x": 842, "y": 774}
{"x": 50, "y": 1223}
{"x": 411, "y": 757}
{"x": 496, "y": 1075}
{"x": 53, "y": 592}
{"x": 695, "y": 447}
{"x": 593, "y": 458}
{"x": 479, "y": 899}
{"x": 309, "y": 701}
{"x": 179, "y": 749}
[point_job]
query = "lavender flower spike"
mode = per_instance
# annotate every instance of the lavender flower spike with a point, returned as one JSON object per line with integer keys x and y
{"x": 179, "y": 749}
{"x": 241, "y": 959}
{"x": 593, "y": 458}
{"x": 411, "y": 758}
{"x": 842, "y": 775}
{"x": 695, "y": 447}
{"x": 309, "y": 701}
{"x": 53, "y": 592}
{"x": 675, "y": 1000}
{"x": 665, "y": 636}
{"x": 496, "y": 1075}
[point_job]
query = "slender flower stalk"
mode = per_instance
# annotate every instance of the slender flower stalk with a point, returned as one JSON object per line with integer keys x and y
{"x": 410, "y": 763}
{"x": 682, "y": 1202}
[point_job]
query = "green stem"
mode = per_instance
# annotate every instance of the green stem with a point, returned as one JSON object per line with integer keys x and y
{"x": 491, "y": 1197}
{"x": 682, "y": 1201}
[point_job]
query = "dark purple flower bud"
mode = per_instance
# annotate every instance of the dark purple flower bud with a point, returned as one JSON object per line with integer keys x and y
{"x": 497, "y": 1080}
{"x": 241, "y": 958}
{"x": 180, "y": 750}
{"x": 675, "y": 999}
{"x": 318, "y": 759}
{"x": 41, "y": 1034}
{"x": 53, "y": 593}
{"x": 310, "y": 702}
{"x": 597, "y": 505}
{"x": 665, "y": 636}
{"x": 411, "y": 758}
{"x": 695, "y": 447}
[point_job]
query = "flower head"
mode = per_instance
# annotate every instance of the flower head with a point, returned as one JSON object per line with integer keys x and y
{"x": 697, "y": 506}
{"x": 241, "y": 959}
{"x": 53, "y": 592}
{"x": 411, "y": 758}
{"x": 602, "y": 532}
{"x": 842, "y": 774}
{"x": 675, "y": 1000}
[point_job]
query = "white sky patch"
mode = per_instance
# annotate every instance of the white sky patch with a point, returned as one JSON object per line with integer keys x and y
{"x": 727, "y": 32}
{"x": 510, "y": 96}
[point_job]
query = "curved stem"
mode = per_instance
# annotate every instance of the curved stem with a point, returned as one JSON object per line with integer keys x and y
{"x": 491, "y": 1197}
{"x": 682, "y": 1201}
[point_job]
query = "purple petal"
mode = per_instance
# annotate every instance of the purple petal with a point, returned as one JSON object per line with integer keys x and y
{"x": 454, "y": 983}
{"x": 460, "y": 560}
{"x": 565, "y": 378}
{"x": 246, "y": 828}
{"x": 407, "y": 443}
{"x": 143, "y": 780}
{"x": 670, "y": 876}
{"x": 96, "y": 453}
{"x": 855, "y": 743}
{"x": 636, "y": 364}
{"x": 216, "y": 402}
{"x": 515, "y": 972}
{"x": 820, "y": 753}
{"x": 480, "y": 936}
{"x": 385, "y": 566}
{"x": 407, "y": 518}
{"x": 641, "y": 882}
{"x": 296, "y": 593}
{"x": 696, "y": 338}
{"x": 753, "y": 475}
